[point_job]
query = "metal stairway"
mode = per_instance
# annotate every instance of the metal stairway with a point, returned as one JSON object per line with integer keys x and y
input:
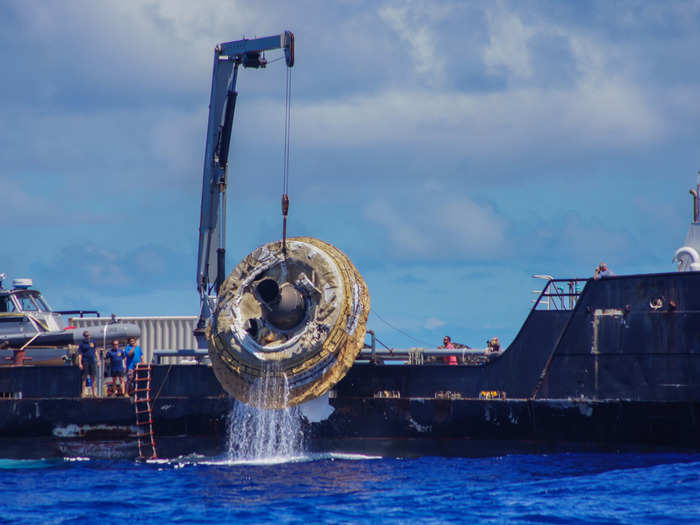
{"x": 144, "y": 416}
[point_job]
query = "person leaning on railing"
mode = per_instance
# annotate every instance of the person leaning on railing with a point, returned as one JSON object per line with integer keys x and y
{"x": 448, "y": 345}
{"x": 602, "y": 271}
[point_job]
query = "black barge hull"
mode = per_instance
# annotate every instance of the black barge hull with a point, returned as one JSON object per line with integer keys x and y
{"x": 617, "y": 370}
{"x": 403, "y": 427}
{"x": 463, "y": 427}
{"x": 42, "y": 407}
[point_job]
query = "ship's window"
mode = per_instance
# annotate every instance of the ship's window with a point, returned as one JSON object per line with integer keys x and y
{"x": 41, "y": 302}
{"x": 27, "y": 304}
{"x": 6, "y": 305}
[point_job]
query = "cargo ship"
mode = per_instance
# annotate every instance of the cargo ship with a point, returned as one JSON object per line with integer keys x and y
{"x": 610, "y": 362}
{"x": 599, "y": 364}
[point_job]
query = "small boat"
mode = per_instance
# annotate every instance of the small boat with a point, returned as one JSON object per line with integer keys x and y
{"x": 37, "y": 334}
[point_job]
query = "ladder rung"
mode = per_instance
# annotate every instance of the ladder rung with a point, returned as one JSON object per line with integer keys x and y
{"x": 146, "y": 439}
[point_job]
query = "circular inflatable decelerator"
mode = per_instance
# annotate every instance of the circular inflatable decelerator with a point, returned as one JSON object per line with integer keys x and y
{"x": 294, "y": 325}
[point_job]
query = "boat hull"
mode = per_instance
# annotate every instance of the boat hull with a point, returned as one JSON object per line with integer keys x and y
{"x": 619, "y": 371}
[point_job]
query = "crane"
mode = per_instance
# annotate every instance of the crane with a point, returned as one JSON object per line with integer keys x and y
{"x": 228, "y": 56}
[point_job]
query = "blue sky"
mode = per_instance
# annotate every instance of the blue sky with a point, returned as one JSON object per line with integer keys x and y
{"x": 451, "y": 149}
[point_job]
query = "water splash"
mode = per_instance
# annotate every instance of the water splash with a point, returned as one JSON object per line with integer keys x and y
{"x": 261, "y": 434}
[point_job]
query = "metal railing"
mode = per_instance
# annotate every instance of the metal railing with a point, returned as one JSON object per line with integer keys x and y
{"x": 466, "y": 356}
{"x": 81, "y": 313}
{"x": 199, "y": 356}
{"x": 419, "y": 356}
{"x": 558, "y": 294}
{"x": 157, "y": 332}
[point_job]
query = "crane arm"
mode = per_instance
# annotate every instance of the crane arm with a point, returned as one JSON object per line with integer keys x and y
{"x": 212, "y": 225}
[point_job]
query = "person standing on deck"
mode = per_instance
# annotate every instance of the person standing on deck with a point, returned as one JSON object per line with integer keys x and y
{"x": 87, "y": 361}
{"x": 602, "y": 271}
{"x": 117, "y": 358}
{"x": 449, "y": 345}
{"x": 133, "y": 359}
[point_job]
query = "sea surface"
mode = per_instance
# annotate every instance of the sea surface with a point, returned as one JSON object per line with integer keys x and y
{"x": 338, "y": 488}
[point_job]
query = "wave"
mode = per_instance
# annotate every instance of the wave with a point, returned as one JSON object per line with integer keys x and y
{"x": 257, "y": 462}
{"x": 19, "y": 464}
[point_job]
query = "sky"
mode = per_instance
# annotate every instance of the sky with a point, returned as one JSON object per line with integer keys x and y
{"x": 450, "y": 149}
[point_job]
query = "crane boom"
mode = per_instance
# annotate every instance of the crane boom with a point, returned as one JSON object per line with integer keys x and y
{"x": 212, "y": 225}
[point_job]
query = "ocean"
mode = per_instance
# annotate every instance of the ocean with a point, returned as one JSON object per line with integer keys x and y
{"x": 339, "y": 488}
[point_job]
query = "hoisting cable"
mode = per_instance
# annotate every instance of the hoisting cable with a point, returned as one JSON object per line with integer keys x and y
{"x": 285, "y": 175}
{"x": 423, "y": 343}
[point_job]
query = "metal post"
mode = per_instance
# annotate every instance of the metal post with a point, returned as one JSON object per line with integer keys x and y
{"x": 100, "y": 379}
{"x": 571, "y": 296}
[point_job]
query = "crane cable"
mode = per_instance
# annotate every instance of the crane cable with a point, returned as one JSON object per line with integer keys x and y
{"x": 285, "y": 174}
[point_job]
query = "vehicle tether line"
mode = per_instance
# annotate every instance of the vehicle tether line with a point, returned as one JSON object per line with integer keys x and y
{"x": 423, "y": 343}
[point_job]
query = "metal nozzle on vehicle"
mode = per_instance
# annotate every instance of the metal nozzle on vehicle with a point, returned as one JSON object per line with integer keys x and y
{"x": 283, "y": 305}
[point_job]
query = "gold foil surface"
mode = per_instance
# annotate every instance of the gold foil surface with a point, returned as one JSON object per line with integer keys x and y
{"x": 305, "y": 361}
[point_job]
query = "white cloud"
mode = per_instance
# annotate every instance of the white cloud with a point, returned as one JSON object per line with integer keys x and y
{"x": 440, "y": 227}
{"x": 112, "y": 267}
{"x": 165, "y": 48}
{"x": 608, "y": 115}
{"x": 604, "y": 107}
{"x": 177, "y": 141}
{"x": 433, "y": 322}
{"x": 27, "y": 204}
{"x": 147, "y": 46}
{"x": 508, "y": 43}
{"x": 415, "y": 23}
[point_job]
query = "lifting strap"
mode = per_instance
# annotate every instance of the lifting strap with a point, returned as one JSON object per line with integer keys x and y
{"x": 285, "y": 172}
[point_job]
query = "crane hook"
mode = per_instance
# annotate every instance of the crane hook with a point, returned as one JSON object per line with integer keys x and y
{"x": 285, "y": 210}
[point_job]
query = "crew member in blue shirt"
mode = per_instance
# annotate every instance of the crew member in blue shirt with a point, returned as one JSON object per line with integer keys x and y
{"x": 602, "y": 271}
{"x": 133, "y": 359}
{"x": 87, "y": 361}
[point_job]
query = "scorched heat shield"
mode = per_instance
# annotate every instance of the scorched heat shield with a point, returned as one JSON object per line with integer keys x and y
{"x": 294, "y": 323}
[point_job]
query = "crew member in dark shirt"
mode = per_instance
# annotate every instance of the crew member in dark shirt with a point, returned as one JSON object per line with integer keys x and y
{"x": 117, "y": 357}
{"x": 87, "y": 361}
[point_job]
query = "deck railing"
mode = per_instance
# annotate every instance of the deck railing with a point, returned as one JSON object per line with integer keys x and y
{"x": 420, "y": 356}
{"x": 558, "y": 294}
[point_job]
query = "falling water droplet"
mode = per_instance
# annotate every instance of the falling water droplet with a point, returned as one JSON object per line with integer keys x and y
{"x": 259, "y": 433}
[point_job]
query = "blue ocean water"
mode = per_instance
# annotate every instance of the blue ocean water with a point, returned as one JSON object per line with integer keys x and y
{"x": 556, "y": 488}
